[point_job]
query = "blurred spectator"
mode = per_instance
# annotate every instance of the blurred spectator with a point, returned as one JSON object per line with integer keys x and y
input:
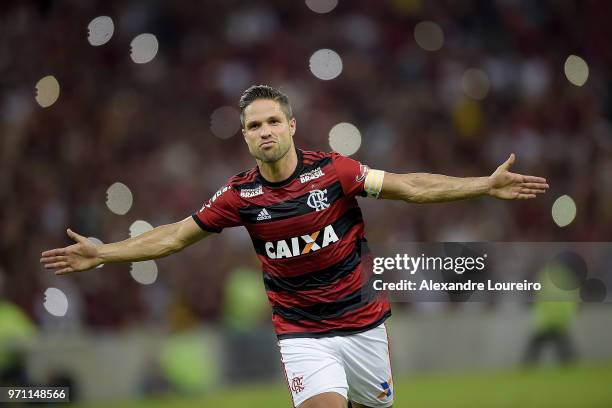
{"x": 16, "y": 331}
{"x": 553, "y": 312}
{"x": 247, "y": 326}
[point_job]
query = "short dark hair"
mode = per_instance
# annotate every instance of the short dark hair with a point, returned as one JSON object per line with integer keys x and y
{"x": 264, "y": 92}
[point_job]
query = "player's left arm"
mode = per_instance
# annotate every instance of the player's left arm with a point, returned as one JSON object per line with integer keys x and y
{"x": 433, "y": 188}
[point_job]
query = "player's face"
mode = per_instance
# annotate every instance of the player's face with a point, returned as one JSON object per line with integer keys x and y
{"x": 267, "y": 130}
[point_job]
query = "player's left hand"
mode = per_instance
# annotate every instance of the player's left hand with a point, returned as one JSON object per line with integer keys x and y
{"x": 511, "y": 186}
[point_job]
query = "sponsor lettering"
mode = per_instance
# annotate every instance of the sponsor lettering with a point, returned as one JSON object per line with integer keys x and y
{"x": 218, "y": 193}
{"x": 251, "y": 192}
{"x": 311, "y": 175}
{"x": 214, "y": 197}
{"x": 296, "y": 246}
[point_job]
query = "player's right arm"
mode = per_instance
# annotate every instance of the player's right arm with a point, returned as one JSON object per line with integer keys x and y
{"x": 157, "y": 243}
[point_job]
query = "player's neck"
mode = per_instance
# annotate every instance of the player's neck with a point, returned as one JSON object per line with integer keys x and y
{"x": 281, "y": 169}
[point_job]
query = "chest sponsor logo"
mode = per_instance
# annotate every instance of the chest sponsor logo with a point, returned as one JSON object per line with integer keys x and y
{"x": 296, "y": 246}
{"x": 251, "y": 192}
{"x": 311, "y": 175}
{"x": 317, "y": 199}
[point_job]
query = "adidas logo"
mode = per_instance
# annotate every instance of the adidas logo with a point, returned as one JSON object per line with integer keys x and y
{"x": 263, "y": 215}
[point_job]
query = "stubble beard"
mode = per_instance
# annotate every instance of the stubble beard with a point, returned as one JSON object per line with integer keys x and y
{"x": 273, "y": 155}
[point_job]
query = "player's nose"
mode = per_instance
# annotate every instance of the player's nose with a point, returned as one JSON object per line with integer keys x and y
{"x": 266, "y": 132}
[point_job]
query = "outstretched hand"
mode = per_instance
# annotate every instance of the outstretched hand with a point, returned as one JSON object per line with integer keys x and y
{"x": 512, "y": 186}
{"x": 74, "y": 258}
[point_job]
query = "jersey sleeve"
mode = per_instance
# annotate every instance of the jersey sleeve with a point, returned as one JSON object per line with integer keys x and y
{"x": 352, "y": 174}
{"x": 220, "y": 212}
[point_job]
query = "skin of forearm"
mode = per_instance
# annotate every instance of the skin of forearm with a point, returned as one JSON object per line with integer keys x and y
{"x": 435, "y": 188}
{"x": 157, "y": 243}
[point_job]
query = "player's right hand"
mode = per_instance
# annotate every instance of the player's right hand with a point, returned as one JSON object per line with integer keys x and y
{"x": 74, "y": 258}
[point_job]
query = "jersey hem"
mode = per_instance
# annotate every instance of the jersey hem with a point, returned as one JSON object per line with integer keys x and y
{"x": 335, "y": 332}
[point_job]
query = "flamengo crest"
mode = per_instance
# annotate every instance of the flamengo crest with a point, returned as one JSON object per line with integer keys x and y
{"x": 318, "y": 200}
{"x": 297, "y": 384}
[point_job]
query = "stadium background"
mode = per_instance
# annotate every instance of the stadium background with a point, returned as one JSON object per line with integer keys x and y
{"x": 439, "y": 86}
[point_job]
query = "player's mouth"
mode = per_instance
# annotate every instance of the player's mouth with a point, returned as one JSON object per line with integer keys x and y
{"x": 266, "y": 144}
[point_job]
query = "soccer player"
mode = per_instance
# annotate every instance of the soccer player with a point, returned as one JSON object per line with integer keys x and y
{"x": 301, "y": 212}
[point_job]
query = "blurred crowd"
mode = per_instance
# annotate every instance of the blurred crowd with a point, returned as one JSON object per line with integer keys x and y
{"x": 149, "y": 127}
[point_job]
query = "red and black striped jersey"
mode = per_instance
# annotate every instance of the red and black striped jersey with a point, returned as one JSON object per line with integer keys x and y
{"x": 308, "y": 233}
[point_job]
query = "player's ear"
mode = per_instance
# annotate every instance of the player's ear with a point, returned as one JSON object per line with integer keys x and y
{"x": 292, "y": 125}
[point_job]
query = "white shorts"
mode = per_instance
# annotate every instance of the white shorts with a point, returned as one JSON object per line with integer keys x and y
{"x": 357, "y": 367}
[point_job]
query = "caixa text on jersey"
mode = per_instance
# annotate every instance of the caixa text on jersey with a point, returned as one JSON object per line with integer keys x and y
{"x": 303, "y": 244}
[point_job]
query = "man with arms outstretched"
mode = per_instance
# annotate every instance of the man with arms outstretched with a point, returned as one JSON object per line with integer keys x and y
{"x": 301, "y": 212}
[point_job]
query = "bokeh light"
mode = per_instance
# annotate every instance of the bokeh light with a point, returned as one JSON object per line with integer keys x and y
{"x": 139, "y": 227}
{"x": 345, "y": 138}
{"x": 429, "y": 36}
{"x": 96, "y": 241}
{"x": 250, "y": 25}
{"x": 325, "y": 64}
{"x": 569, "y": 272}
{"x": 476, "y": 83}
{"x": 576, "y": 70}
{"x": 321, "y": 6}
{"x": 233, "y": 77}
{"x": 564, "y": 211}
{"x": 360, "y": 31}
{"x": 178, "y": 160}
{"x": 143, "y": 48}
{"x": 100, "y": 30}
{"x": 144, "y": 272}
{"x": 47, "y": 91}
{"x": 225, "y": 122}
{"x": 119, "y": 198}
{"x": 55, "y": 302}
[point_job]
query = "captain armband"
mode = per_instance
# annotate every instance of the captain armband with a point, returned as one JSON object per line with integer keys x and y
{"x": 373, "y": 182}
